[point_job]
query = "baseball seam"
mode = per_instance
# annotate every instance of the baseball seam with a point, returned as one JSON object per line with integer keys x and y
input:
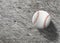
{"x": 45, "y": 21}
{"x": 36, "y": 18}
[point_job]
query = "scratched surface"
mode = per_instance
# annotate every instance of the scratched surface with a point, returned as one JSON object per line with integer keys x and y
{"x": 16, "y": 25}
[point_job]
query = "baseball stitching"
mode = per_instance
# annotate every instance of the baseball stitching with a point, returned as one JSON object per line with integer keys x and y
{"x": 36, "y": 18}
{"x": 45, "y": 21}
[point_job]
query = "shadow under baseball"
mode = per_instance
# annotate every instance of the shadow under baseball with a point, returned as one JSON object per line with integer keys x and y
{"x": 50, "y": 32}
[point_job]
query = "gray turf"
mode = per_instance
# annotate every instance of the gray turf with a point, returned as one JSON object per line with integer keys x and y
{"x": 16, "y": 25}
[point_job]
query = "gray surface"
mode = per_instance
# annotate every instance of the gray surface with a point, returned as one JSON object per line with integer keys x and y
{"x": 16, "y": 25}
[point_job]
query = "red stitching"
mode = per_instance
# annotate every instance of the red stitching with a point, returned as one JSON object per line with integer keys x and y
{"x": 36, "y": 18}
{"x": 45, "y": 21}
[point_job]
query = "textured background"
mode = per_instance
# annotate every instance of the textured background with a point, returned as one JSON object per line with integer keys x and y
{"x": 16, "y": 25}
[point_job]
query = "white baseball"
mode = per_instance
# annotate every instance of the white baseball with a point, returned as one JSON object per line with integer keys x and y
{"x": 41, "y": 19}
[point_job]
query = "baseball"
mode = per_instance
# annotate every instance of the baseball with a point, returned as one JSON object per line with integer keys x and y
{"x": 41, "y": 19}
